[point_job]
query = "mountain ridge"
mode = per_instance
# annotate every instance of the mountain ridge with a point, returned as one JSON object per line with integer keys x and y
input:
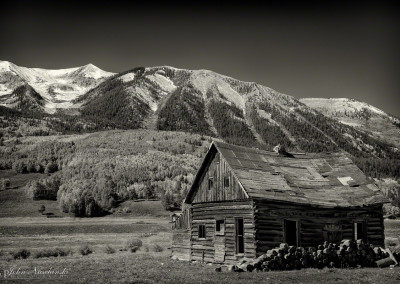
{"x": 57, "y": 87}
{"x": 359, "y": 115}
{"x": 208, "y": 103}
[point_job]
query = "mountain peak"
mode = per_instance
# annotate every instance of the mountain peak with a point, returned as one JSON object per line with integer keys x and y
{"x": 90, "y": 66}
{"x": 91, "y": 70}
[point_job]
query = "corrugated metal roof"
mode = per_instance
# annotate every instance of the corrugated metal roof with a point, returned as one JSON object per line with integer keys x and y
{"x": 327, "y": 180}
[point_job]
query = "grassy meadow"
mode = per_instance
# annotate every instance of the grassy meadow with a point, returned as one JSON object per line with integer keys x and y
{"x": 131, "y": 220}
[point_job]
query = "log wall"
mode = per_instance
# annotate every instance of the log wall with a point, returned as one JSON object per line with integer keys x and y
{"x": 181, "y": 245}
{"x": 313, "y": 223}
{"x": 207, "y": 214}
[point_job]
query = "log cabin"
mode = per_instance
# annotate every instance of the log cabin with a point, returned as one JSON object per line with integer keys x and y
{"x": 245, "y": 201}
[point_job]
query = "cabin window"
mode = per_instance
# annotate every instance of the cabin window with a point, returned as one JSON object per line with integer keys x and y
{"x": 239, "y": 235}
{"x": 291, "y": 232}
{"x": 202, "y": 231}
{"x": 333, "y": 233}
{"x": 226, "y": 181}
{"x": 210, "y": 183}
{"x": 359, "y": 231}
{"x": 220, "y": 227}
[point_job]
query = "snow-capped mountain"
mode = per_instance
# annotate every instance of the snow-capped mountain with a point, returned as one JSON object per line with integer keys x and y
{"x": 352, "y": 112}
{"x": 204, "y": 102}
{"x": 56, "y": 88}
{"x": 167, "y": 98}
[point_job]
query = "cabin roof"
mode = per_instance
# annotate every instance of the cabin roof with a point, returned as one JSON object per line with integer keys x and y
{"x": 323, "y": 179}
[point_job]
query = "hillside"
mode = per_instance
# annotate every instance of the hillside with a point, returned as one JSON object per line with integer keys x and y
{"x": 208, "y": 103}
{"x": 93, "y": 173}
{"x": 244, "y": 113}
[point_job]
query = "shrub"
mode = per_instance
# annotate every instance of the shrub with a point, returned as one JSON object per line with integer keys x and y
{"x": 63, "y": 252}
{"x": 85, "y": 249}
{"x": 30, "y": 167}
{"x": 21, "y": 254}
{"x": 19, "y": 166}
{"x": 110, "y": 250}
{"x": 134, "y": 244}
{"x": 50, "y": 168}
{"x": 39, "y": 168}
{"x": 158, "y": 248}
{"x": 35, "y": 189}
{"x": 42, "y": 208}
{"x": 4, "y": 183}
{"x": 127, "y": 210}
{"x": 52, "y": 252}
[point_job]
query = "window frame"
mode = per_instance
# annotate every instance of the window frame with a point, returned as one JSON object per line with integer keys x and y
{"x": 210, "y": 183}
{"x": 221, "y": 231}
{"x": 202, "y": 232}
{"x": 227, "y": 178}
{"x": 333, "y": 230}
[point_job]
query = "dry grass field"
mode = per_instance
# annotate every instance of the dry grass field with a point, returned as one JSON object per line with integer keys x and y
{"x": 157, "y": 267}
{"x": 23, "y": 227}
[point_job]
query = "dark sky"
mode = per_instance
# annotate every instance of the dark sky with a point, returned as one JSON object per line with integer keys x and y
{"x": 305, "y": 51}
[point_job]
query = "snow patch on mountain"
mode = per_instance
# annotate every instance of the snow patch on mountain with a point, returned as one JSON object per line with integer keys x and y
{"x": 49, "y": 74}
{"x": 4, "y": 90}
{"x": 340, "y": 105}
{"x": 5, "y": 66}
{"x": 144, "y": 95}
{"x": 127, "y": 77}
{"x": 51, "y": 107}
{"x": 163, "y": 82}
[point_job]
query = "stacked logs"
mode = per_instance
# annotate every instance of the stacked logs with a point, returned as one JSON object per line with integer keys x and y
{"x": 346, "y": 254}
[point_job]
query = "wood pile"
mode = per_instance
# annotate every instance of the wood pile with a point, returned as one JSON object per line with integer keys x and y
{"x": 348, "y": 253}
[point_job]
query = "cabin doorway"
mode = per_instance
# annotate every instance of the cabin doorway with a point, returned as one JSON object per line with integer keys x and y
{"x": 291, "y": 232}
{"x": 239, "y": 225}
{"x": 219, "y": 241}
{"x": 219, "y": 248}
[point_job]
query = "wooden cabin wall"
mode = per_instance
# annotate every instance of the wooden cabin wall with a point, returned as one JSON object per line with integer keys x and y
{"x": 218, "y": 169}
{"x": 181, "y": 245}
{"x": 269, "y": 222}
{"x": 207, "y": 214}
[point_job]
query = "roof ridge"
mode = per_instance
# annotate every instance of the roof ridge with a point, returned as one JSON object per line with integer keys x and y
{"x": 314, "y": 178}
